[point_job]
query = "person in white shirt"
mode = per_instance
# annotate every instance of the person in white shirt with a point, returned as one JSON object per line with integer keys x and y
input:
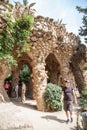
{"x": 16, "y": 91}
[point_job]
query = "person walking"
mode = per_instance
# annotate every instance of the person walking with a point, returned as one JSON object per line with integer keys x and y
{"x": 68, "y": 95}
{"x": 23, "y": 92}
{"x": 16, "y": 91}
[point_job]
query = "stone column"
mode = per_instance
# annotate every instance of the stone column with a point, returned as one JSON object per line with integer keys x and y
{"x": 78, "y": 74}
{"x": 79, "y": 78}
{"x": 39, "y": 84}
{"x": 2, "y": 91}
{"x": 3, "y": 74}
{"x": 15, "y": 77}
{"x": 64, "y": 73}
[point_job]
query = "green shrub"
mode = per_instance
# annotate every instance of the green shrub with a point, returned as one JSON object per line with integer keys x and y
{"x": 52, "y": 97}
{"x": 83, "y": 99}
{"x": 85, "y": 68}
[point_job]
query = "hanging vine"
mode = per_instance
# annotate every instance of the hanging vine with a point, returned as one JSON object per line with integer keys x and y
{"x": 15, "y": 37}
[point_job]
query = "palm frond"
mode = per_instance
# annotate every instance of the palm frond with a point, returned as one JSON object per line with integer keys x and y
{"x": 31, "y": 5}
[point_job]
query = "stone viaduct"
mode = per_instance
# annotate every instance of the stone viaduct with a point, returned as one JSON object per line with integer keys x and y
{"x": 52, "y": 50}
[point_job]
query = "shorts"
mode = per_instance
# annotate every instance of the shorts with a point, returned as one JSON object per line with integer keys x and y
{"x": 68, "y": 106}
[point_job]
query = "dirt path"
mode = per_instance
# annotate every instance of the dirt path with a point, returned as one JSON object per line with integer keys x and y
{"x": 18, "y": 116}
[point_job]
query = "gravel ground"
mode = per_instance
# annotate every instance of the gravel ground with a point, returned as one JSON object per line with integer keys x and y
{"x": 19, "y": 116}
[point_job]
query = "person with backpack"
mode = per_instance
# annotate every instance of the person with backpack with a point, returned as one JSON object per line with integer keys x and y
{"x": 68, "y": 95}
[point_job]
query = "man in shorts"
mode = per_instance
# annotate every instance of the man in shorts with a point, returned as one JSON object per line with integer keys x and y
{"x": 68, "y": 94}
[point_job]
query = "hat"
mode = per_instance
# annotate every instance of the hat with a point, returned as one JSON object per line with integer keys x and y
{"x": 67, "y": 80}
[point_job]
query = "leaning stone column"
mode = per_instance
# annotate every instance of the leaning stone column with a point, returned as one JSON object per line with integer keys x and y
{"x": 64, "y": 72}
{"x": 39, "y": 84}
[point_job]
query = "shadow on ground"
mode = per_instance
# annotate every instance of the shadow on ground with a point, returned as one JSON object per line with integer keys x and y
{"x": 75, "y": 128}
{"x": 48, "y": 117}
{"x": 28, "y": 104}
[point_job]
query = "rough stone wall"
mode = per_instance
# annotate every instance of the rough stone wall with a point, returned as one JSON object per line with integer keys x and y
{"x": 49, "y": 40}
{"x": 85, "y": 74}
{"x": 85, "y": 77}
{"x": 4, "y": 71}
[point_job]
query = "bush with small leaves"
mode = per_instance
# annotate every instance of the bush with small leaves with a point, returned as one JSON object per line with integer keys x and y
{"x": 83, "y": 99}
{"x": 52, "y": 97}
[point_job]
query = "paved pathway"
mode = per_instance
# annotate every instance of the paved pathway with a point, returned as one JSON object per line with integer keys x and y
{"x": 24, "y": 116}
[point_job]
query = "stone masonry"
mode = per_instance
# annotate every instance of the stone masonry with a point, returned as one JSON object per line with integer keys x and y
{"x": 52, "y": 50}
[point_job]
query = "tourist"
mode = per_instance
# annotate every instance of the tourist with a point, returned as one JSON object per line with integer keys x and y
{"x": 23, "y": 92}
{"x": 6, "y": 86}
{"x": 10, "y": 88}
{"x": 16, "y": 91}
{"x": 68, "y": 95}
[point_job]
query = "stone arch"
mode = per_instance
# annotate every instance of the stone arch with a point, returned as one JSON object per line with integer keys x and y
{"x": 24, "y": 59}
{"x": 47, "y": 36}
{"x": 29, "y": 85}
{"x": 53, "y": 68}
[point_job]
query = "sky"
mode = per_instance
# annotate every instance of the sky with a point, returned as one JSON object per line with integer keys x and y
{"x": 61, "y": 9}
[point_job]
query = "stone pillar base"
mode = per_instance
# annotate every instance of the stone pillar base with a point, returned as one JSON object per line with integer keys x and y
{"x": 40, "y": 104}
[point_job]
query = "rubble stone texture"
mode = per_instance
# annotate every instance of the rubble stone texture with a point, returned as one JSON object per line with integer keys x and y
{"x": 54, "y": 54}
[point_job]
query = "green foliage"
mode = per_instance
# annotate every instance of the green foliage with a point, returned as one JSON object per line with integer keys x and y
{"x": 83, "y": 29}
{"x": 85, "y": 68}
{"x": 59, "y": 21}
{"x": 9, "y": 77}
{"x": 25, "y": 2}
{"x": 31, "y": 5}
{"x": 9, "y": 60}
{"x": 52, "y": 97}
{"x": 83, "y": 10}
{"x": 25, "y": 73}
{"x": 16, "y": 34}
{"x": 83, "y": 99}
{"x": 22, "y": 29}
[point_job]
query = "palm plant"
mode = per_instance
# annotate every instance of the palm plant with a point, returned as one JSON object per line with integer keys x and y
{"x": 28, "y": 7}
{"x": 59, "y": 21}
{"x": 25, "y": 2}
